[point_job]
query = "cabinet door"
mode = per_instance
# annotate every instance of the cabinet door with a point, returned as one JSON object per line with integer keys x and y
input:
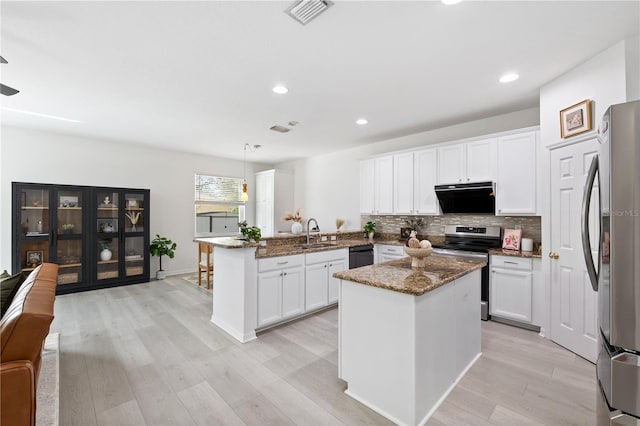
{"x": 383, "y": 197}
{"x": 367, "y": 186}
{"x": 316, "y": 282}
{"x": 334, "y": 283}
{"x": 481, "y": 160}
{"x": 403, "y": 183}
{"x": 70, "y": 239}
{"x": 269, "y": 297}
{"x": 516, "y": 175}
{"x": 425, "y": 174}
{"x": 510, "y": 294}
{"x": 451, "y": 167}
{"x": 386, "y": 257}
{"x": 264, "y": 218}
{"x": 292, "y": 292}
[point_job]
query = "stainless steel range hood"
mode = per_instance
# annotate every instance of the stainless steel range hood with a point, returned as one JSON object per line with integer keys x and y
{"x": 476, "y": 197}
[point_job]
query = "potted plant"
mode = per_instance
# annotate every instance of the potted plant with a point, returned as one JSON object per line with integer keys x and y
{"x": 370, "y": 229}
{"x": 162, "y": 246}
{"x": 251, "y": 233}
{"x": 105, "y": 254}
{"x": 67, "y": 228}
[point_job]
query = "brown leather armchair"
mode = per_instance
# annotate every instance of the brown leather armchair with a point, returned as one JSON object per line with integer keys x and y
{"x": 23, "y": 330}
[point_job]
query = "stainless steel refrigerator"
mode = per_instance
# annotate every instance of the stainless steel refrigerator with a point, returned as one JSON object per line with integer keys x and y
{"x": 615, "y": 274}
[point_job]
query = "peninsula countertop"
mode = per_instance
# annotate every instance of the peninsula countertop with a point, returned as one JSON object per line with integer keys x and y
{"x": 397, "y": 275}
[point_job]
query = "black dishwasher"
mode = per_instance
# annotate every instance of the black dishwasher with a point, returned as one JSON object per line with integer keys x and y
{"x": 360, "y": 256}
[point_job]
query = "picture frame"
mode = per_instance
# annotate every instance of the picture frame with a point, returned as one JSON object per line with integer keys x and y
{"x": 68, "y": 201}
{"x": 511, "y": 239}
{"x": 33, "y": 258}
{"x": 107, "y": 225}
{"x": 576, "y": 119}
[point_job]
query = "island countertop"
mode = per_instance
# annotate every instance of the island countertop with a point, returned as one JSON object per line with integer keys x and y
{"x": 397, "y": 275}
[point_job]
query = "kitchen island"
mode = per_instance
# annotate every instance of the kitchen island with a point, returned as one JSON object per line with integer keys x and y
{"x": 407, "y": 336}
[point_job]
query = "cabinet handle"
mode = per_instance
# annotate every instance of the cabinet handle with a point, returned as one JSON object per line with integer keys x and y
{"x": 325, "y": 265}
{"x": 468, "y": 179}
{"x": 331, "y": 264}
{"x": 284, "y": 273}
{"x": 511, "y": 263}
{"x": 283, "y": 263}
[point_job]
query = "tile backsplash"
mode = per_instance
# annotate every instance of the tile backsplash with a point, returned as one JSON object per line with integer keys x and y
{"x": 434, "y": 225}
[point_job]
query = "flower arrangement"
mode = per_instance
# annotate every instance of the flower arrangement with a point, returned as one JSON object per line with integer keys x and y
{"x": 339, "y": 223}
{"x": 415, "y": 224}
{"x": 133, "y": 217}
{"x": 293, "y": 217}
{"x": 67, "y": 228}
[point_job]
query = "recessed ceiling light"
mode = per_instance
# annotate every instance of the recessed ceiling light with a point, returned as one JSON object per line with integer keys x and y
{"x": 37, "y": 114}
{"x": 508, "y": 78}
{"x": 362, "y": 121}
{"x": 280, "y": 90}
{"x": 450, "y": 2}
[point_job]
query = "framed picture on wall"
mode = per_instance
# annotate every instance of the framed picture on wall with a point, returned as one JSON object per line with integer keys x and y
{"x": 575, "y": 119}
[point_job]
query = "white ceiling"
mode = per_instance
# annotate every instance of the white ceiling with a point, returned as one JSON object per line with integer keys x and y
{"x": 197, "y": 76}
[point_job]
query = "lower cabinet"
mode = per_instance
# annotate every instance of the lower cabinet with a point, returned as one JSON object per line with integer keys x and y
{"x": 321, "y": 288}
{"x": 514, "y": 289}
{"x": 385, "y": 252}
{"x": 289, "y": 286}
{"x": 280, "y": 288}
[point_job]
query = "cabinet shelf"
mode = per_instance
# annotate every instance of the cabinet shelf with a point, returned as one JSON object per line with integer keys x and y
{"x": 78, "y": 209}
{"x": 107, "y": 262}
{"x": 134, "y": 209}
{"x": 69, "y": 265}
{"x": 113, "y": 209}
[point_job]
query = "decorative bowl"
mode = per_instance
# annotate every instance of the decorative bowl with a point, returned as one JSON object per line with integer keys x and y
{"x": 418, "y": 256}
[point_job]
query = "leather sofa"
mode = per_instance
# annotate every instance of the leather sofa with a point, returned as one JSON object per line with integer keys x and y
{"x": 23, "y": 330}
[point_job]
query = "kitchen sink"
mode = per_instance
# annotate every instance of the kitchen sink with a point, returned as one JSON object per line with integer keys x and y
{"x": 314, "y": 245}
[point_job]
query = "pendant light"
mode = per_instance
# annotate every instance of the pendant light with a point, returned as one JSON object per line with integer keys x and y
{"x": 244, "y": 196}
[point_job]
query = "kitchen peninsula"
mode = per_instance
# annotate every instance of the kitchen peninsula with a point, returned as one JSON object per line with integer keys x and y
{"x": 407, "y": 336}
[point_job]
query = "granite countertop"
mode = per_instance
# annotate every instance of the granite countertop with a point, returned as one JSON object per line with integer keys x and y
{"x": 397, "y": 275}
{"x": 226, "y": 242}
{"x": 515, "y": 253}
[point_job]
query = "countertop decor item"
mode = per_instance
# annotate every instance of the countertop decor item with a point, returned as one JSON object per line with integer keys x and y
{"x": 527, "y": 244}
{"x": 369, "y": 230}
{"x": 296, "y": 226}
{"x": 251, "y": 233}
{"x": 575, "y": 119}
{"x": 418, "y": 256}
{"x": 339, "y": 223}
{"x": 511, "y": 239}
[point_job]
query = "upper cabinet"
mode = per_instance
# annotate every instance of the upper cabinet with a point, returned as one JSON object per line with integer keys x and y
{"x": 403, "y": 183}
{"x": 425, "y": 167}
{"x": 376, "y": 185}
{"x": 516, "y": 180}
{"x": 467, "y": 162}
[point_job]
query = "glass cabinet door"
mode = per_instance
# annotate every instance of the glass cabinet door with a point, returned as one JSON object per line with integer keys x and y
{"x": 107, "y": 260}
{"x": 134, "y": 212}
{"x": 134, "y": 256}
{"x": 34, "y": 228}
{"x": 69, "y": 229}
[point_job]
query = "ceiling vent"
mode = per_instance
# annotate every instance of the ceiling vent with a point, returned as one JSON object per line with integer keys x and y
{"x": 304, "y": 11}
{"x": 281, "y": 129}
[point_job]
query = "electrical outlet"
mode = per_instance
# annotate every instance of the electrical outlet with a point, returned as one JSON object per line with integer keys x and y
{"x": 323, "y": 238}
{"x": 333, "y": 238}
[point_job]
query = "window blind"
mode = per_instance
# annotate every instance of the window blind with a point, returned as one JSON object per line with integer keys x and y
{"x": 218, "y": 189}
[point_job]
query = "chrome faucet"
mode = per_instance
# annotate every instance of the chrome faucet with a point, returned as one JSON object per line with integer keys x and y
{"x": 316, "y": 228}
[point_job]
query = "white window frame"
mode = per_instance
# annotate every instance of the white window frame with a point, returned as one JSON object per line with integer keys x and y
{"x": 197, "y": 202}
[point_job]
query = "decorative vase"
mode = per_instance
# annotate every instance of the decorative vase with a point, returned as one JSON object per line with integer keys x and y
{"x": 296, "y": 228}
{"x": 133, "y": 227}
{"x": 371, "y": 234}
{"x": 105, "y": 255}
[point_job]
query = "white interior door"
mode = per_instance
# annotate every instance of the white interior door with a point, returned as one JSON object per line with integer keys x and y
{"x": 574, "y": 321}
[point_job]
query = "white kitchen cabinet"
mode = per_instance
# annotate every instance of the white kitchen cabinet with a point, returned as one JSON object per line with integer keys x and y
{"x": 516, "y": 181}
{"x": 403, "y": 183}
{"x": 467, "y": 162}
{"x": 280, "y": 288}
{"x": 383, "y": 199}
{"x": 425, "y": 173}
{"x": 511, "y": 288}
{"x": 274, "y": 197}
{"x": 386, "y": 252}
{"x": 321, "y": 289}
{"x": 451, "y": 164}
{"x": 367, "y": 186}
{"x": 376, "y": 185}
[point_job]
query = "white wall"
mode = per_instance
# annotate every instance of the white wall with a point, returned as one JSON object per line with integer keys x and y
{"x": 43, "y": 157}
{"x": 601, "y": 79}
{"x": 632, "y": 53}
{"x": 327, "y": 186}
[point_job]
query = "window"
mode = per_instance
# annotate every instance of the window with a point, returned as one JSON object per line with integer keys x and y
{"x": 217, "y": 205}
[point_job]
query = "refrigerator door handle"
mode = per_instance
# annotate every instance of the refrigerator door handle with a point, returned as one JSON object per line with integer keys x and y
{"x": 586, "y": 240}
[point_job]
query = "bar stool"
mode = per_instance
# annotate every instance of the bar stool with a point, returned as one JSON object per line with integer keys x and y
{"x": 205, "y": 265}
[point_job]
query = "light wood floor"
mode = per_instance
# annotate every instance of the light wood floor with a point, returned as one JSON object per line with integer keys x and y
{"x": 147, "y": 354}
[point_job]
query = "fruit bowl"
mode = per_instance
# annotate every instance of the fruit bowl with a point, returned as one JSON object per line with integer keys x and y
{"x": 418, "y": 256}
